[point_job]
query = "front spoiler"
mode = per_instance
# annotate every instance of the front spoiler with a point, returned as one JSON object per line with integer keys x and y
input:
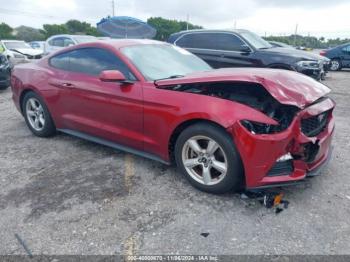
{"x": 316, "y": 172}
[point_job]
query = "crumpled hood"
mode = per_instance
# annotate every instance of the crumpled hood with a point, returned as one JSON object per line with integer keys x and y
{"x": 287, "y": 87}
{"x": 28, "y": 51}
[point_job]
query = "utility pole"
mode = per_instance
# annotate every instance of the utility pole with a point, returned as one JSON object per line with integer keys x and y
{"x": 113, "y": 7}
{"x": 187, "y": 21}
{"x": 295, "y": 34}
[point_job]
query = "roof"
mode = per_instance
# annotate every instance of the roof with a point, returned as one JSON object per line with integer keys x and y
{"x": 212, "y": 31}
{"x": 67, "y": 35}
{"x": 119, "y": 43}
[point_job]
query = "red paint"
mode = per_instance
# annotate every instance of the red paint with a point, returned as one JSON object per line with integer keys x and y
{"x": 143, "y": 117}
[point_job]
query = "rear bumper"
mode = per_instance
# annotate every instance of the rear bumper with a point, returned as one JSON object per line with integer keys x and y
{"x": 259, "y": 153}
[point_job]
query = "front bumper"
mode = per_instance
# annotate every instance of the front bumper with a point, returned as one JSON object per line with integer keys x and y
{"x": 316, "y": 73}
{"x": 259, "y": 153}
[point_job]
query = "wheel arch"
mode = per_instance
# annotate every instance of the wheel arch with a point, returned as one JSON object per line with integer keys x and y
{"x": 181, "y": 127}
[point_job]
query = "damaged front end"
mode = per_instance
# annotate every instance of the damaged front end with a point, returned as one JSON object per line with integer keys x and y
{"x": 249, "y": 94}
{"x": 291, "y": 146}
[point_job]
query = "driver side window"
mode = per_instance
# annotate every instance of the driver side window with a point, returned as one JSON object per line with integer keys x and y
{"x": 90, "y": 61}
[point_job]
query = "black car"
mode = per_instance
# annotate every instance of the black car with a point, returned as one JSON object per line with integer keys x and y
{"x": 5, "y": 72}
{"x": 339, "y": 56}
{"x": 242, "y": 48}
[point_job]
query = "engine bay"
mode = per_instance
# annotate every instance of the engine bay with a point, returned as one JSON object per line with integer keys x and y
{"x": 250, "y": 94}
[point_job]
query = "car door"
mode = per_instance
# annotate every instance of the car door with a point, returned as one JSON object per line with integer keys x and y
{"x": 217, "y": 49}
{"x": 108, "y": 110}
{"x": 345, "y": 56}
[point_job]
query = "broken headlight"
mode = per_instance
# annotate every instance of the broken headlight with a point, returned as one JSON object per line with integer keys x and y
{"x": 257, "y": 128}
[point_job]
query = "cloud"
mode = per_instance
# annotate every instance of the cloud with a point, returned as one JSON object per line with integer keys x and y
{"x": 275, "y": 16}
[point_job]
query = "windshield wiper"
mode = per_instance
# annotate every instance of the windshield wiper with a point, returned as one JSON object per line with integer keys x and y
{"x": 169, "y": 77}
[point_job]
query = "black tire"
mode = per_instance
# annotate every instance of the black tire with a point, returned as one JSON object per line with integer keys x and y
{"x": 4, "y": 87}
{"x": 233, "y": 179}
{"x": 48, "y": 129}
{"x": 335, "y": 65}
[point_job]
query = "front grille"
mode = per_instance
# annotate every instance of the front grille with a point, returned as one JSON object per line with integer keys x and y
{"x": 283, "y": 168}
{"x": 314, "y": 125}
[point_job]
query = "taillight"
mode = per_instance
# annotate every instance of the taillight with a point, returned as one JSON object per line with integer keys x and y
{"x": 323, "y": 53}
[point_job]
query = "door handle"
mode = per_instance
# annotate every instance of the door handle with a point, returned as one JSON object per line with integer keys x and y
{"x": 68, "y": 85}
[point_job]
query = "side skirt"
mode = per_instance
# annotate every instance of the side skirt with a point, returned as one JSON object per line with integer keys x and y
{"x": 113, "y": 145}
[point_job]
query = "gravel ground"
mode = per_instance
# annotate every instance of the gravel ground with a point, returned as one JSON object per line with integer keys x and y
{"x": 67, "y": 196}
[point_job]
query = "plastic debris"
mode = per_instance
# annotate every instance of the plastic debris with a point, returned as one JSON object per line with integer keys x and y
{"x": 204, "y": 234}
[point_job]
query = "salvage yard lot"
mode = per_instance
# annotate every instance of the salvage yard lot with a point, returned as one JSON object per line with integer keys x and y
{"x": 67, "y": 196}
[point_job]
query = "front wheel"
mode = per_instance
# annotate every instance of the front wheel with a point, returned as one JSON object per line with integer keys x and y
{"x": 208, "y": 158}
{"x": 37, "y": 115}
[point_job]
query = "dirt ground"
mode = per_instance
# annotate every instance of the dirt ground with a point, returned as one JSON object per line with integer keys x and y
{"x": 64, "y": 195}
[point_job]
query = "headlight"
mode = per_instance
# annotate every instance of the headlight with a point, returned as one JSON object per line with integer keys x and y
{"x": 259, "y": 128}
{"x": 308, "y": 64}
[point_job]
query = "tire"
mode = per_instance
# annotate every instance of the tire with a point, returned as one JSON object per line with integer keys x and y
{"x": 44, "y": 125}
{"x": 192, "y": 164}
{"x": 4, "y": 87}
{"x": 335, "y": 65}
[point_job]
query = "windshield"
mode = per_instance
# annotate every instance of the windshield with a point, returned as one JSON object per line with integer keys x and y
{"x": 256, "y": 40}
{"x": 16, "y": 45}
{"x": 84, "y": 39}
{"x": 164, "y": 61}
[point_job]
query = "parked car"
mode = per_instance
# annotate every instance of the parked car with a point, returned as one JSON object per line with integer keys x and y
{"x": 40, "y": 45}
{"x": 5, "y": 71}
{"x": 19, "y": 51}
{"x": 57, "y": 42}
{"x": 280, "y": 44}
{"x": 339, "y": 56}
{"x": 242, "y": 48}
{"x": 225, "y": 128}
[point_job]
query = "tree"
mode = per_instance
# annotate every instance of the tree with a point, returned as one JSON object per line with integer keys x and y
{"x": 28, "y": 34}
{"x": 166, "y": 27}
{"x": 54, "y": 29}
{"x": 5, "y": 31}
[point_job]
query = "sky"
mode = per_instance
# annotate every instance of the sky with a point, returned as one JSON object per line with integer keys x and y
{"x": 328, "y": 18}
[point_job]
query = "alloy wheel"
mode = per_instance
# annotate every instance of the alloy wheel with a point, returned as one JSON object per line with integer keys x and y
{"x": 335, "y": 65}
{"x": 35, "y": 114}
{"x": 204, "y": 160}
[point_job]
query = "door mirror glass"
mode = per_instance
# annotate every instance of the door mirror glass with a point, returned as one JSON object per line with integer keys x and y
{"x": 112, "y": 76}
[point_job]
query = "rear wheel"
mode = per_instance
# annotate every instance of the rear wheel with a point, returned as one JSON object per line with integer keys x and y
{"x": 208, "y": 158}
{"x": 335, "y": 65}
{"x": 37, "y": 116}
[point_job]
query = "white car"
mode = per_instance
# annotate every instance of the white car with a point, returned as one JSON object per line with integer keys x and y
{"x": 19, "y": 51}
{"x": 57, "y": 42}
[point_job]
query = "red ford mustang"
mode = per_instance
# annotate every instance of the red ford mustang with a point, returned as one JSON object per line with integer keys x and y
{"x": 224, "y": 128}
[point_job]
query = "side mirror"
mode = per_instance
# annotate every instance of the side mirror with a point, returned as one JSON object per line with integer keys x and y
{"x": 112, "y": 76}
{"x": 245, "y": 49}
